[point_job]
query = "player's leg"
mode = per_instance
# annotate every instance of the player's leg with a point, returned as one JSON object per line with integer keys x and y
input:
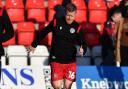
{"x": 67, "y": 84}
{"x": 70, "y": 75}
{"x": 57, "y": 84}
{"x": 56, "y": 75}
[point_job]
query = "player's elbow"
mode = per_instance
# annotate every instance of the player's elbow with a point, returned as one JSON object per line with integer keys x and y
{"x": 10, "y": 34}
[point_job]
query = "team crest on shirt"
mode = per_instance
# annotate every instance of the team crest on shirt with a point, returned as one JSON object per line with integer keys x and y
{"x": 60, "y": 27}
{"x": 72, "y": 30}
{"x": 53, "y": 57}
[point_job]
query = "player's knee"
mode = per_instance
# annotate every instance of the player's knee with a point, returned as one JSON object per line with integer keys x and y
{"x": 67, "y": 87}
{"x": 67, "y": 84}
{"x": 56, "y": 85}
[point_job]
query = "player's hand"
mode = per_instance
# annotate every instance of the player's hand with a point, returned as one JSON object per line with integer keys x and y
{"x": 118, "y": 64}
{"x": 30, "y": 49}
{"x": 81, "y": 51}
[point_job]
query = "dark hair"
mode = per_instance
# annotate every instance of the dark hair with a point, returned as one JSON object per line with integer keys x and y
{"x": 115, "y": 9}
{"x": 71, "y": 7}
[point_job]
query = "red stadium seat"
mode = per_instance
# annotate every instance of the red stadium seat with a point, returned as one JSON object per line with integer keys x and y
{"x": 51, "y": 13}
{"x": 25, "y": 26}
{"x": 43, "y": 25}
{"x": 81, "y": 16}
{"x": 14, "y": 4}
{"x": 16, "y": 15}
{"x": 97, "y": 11}
{"x": 111, "y": 3}
{"x": 0, "y": 4}
{"x": 37, "y": 15}
{"x": 53, "y": 3}
{"x": 30, "y": 4}
{"x": 36, "y": 10}
{"x": 48, "y": 39}
{"x": 92, "y": 34}
{"x": 12, "y": 41}
{"x": 15, "y": 9}
{"x": 80, "y": 4}
{"x": 25, "y": 32}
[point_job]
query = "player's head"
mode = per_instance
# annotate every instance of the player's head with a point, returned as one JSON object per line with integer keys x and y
{"x": 70, "y": 13}
{"x": 116, "y": 14}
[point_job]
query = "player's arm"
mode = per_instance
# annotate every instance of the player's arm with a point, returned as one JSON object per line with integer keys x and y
{"x": 82, "y": 43}
{"x": 40, "y": 35}
{"x": 7, "y": 27}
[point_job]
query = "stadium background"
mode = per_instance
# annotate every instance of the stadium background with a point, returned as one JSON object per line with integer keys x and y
{"x": 29, "y": 16}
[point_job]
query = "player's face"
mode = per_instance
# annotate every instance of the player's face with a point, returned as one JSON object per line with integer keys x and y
{"x": 117, "y": 17}
{"x": 70, "y": 17}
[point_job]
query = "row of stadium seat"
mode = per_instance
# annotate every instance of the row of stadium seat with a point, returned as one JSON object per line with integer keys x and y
{"x": 97, "y": 10}
{"x": 17, "y": 55}
{"x": 51, "y": 3}
{"x": 25, "y": 32}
